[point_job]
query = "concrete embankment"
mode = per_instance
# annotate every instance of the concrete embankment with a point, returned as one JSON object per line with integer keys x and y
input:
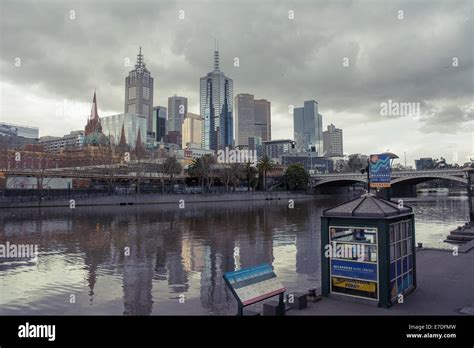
{"x": 445, "y": 287}
{"x": 157, "y": 199}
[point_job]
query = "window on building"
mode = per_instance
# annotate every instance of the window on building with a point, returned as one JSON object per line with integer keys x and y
{"x": 132, "y": 92}
{"x": 401, "y": 258}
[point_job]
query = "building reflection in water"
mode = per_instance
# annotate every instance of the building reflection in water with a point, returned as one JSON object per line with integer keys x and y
{"x": 170, "y": 247}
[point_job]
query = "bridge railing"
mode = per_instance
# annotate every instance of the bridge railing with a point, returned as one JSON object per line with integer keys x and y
{"x": 438, "y": 172}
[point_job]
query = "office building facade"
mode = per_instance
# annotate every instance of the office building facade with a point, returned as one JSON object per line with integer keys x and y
{"x": 73, "y": 140}
{"x": 139, "y": 93}
{"x": 132, "y": 123}
{"x": 274, "y": 149}
{"x": 216, "y": 108}
{"x": 424, "y": 163}
{"x": 174, "y": 137}
{"x": 192, "y": 131}
{"x": 177, "y": 110}
{"x": 159, "y": 122}
{"x": 252, "y": 119}
{"x": 18, "y": 131}
{"x": 307, "y": 125}
{"x": 263, "y": 116}
{"x": 313, "y": 163}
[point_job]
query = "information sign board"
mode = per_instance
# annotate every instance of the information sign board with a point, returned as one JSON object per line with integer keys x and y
{"x": 254, "y": 284}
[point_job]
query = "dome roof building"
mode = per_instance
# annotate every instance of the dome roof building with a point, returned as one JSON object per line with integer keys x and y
{"x": 96, "y": 139}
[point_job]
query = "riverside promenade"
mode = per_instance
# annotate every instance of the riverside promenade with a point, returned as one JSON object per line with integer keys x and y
{"x": 445, "y": 286}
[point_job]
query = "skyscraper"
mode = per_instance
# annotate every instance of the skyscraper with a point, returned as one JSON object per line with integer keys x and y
{"x": 308, "y": 124}
{"x": 263, "y": 115}
{"x": 216, "y": 95}
{"x": 244, "y": 118}
{"x": 192, "y": 130}
{"x": 159, "y": 122}
{"x": 139, "y": 92}
{"x": 252, "y": 119}
{"x": 177, "y": 109}
{"x": 332, "y": 141}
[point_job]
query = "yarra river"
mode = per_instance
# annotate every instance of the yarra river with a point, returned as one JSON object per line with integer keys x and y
{"x": 177, "y": 256}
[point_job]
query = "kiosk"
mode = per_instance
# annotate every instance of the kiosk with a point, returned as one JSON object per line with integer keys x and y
{"x": 368, "y": 250}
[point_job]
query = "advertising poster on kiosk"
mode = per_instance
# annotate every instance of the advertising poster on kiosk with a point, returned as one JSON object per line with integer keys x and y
{"x": 353, "y": 261}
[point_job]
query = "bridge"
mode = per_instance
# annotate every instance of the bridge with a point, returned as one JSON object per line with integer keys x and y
{"x": 412, "y": 177}
{"x": 402, "y": 182}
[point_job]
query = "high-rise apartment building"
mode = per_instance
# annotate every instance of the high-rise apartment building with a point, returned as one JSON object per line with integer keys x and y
{"x": 332, "y": 141}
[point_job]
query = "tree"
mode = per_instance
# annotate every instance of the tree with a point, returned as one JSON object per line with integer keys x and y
{"x": 231, "y": 174}
{"x": 193, "y": 171}
{"x": 171, "y": 167}
{"x": 140, "y": 170}
{"x": 250, "y": 172}
{"x": 296, "y": 177}
{"x": 264, "y": 165}
{"x": 225, "y": 174}
{"x": 238, "y": 174}
{"x": 356, "y": 163}
{"x": 203, "y": 169}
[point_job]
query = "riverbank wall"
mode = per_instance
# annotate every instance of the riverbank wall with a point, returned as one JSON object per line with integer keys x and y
{"x": 157, "y": 199}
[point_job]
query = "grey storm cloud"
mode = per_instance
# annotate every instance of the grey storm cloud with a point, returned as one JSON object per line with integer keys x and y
{"x": 457, "y": 117}
{"x": 283, "y": 60}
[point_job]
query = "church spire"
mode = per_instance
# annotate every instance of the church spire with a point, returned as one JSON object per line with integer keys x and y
{"x": 123, "y": 141}
{"x": 94, "y": 114}
{"x": 93, "y": 123}
{"x": 139, "y": 149}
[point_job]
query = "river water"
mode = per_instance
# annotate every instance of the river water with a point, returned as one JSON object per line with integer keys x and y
{"x": 142, "y": 260}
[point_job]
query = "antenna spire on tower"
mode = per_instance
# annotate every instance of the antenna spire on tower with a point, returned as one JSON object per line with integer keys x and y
{"x": 140, "y": 63}
{"x": 216, "y": 56}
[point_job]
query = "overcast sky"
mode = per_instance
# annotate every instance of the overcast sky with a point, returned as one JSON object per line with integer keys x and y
{"x": 64, "y": 55}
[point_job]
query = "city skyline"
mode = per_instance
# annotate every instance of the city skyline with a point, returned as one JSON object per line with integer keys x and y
{"x": 299, "y": 66}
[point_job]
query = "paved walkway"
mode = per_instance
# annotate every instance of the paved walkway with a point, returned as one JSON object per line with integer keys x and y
{"x": 445, "y": 286}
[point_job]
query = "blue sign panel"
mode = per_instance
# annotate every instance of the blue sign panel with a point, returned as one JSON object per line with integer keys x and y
{"x": 254, "y": 284}
{"x": 379, "y": 170}
{"x": 352, "y": 269}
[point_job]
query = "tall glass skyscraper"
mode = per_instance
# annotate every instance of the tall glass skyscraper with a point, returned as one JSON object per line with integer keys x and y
{"x": 139, "y": 92}
{"x": 308, "y": 128}
{"x": 216, "y": 96}
{"x": 177, "y": 110}
{"x": 159, "y": 122}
